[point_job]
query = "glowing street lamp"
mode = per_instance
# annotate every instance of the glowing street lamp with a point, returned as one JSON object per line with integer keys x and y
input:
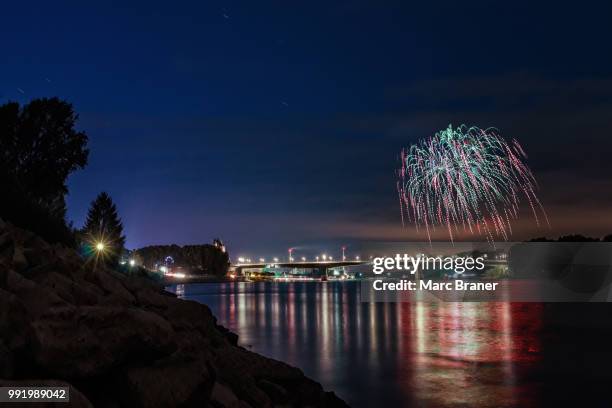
{"x": 290, "y": 250}
{"x": 303, "y": 259}
{"x": 357, "y": 258}
{"x": 275, "y": 259}
{"x": 324, "y": 257}
{"x": 262, "y": 260}
{"x": 317, "y": 258}
{"x": 132, "y": 262}
{"x": 100, "y": 246}
{"x": 343, "y": 253}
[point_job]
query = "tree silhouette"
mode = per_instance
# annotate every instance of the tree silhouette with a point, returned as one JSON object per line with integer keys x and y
{"x": 103, "y": 230}
{"x": 39, "y": 148}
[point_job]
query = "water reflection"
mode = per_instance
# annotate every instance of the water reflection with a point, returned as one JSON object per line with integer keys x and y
{"x": 378, "y": 354}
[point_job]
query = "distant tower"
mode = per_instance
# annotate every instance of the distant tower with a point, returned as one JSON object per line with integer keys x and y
{"x": 217, "y": 243}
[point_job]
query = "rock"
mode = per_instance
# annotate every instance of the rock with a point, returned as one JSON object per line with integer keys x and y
{"x": 7, "y": 247}
{"x": 13, "y": 333}
{"x": 19, "y": 260}
{"x": 190, "y": 315}
{"x": 223, "y": 397}
{"x": 112, "y": 287}
{"x": 168, "y": 383}
{"x": 91, "y": 340}
{"x": 7, "y": 360}
{"x": 277, "y": 394}
{"x": 231, "y": 337}
{"x": 150, "y": 298}
{"x": 36, "y": 299}
{"x": 124, "y": 340}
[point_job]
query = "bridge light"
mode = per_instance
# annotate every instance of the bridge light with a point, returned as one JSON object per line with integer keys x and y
{"x": 241, "y": 259}
{"x": 317, "y": 258}
{"x": 275, "y": 259}
{"x": 357, "y": 258}
{"x": 262, "y": 260}
{"x": 303, "y": 259}
{"x": 324, "y": 257}
{"x": 331, "y": 258}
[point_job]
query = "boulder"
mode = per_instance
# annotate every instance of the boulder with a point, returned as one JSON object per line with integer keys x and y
{"x": 172, "y": 382}
{"x": 91, "y": 340}
{"x": 223, "y": 397}
{"x": 124, "y": 341}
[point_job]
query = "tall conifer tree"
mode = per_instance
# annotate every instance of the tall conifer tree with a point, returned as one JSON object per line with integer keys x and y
{"x": 103, "y": 229}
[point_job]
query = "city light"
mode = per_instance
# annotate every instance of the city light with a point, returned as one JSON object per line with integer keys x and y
{"x": 132, "y": 262}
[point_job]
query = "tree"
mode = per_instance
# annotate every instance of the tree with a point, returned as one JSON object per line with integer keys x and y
{"x": 39, "y": 149}
{"x": 577, "y": 238}
{"x": 103, "y": 230}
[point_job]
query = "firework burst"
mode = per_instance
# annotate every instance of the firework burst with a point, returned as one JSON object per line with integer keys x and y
{"x": 466, "y": 178}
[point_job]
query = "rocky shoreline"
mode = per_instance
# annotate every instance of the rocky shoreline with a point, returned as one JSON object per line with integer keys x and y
{"x": 123, "y": 341}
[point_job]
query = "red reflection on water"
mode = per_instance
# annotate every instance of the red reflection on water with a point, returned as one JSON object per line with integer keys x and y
{"x": 471, "y": 354}
{"x": 391, "y": 354}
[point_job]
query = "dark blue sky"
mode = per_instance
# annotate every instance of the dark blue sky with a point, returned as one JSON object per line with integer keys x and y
{"x": 272, "y": 124}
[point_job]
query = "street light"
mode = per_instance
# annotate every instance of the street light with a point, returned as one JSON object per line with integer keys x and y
{"x": 343, "y": 253}
{"x": 357, "y": 258}
{"x": 100, "y": 246}
{"x": 132, "y": 262}
{"x": 303, "y": 259}
{"x": 317, "y": 258}
{"x": 262, "y": 260}
{"x": 324, "y": 257}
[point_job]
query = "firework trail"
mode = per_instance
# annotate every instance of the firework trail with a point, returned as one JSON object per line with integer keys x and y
{"x": 466, "y": 178}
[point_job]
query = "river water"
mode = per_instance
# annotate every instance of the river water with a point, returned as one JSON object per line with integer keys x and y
{"x": 388, "y": 354}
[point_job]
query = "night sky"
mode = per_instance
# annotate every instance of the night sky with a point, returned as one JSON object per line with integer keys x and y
{"x": 273, "y": 124}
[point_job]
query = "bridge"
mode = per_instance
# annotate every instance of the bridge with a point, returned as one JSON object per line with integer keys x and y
{"x": 239, "y": 267}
